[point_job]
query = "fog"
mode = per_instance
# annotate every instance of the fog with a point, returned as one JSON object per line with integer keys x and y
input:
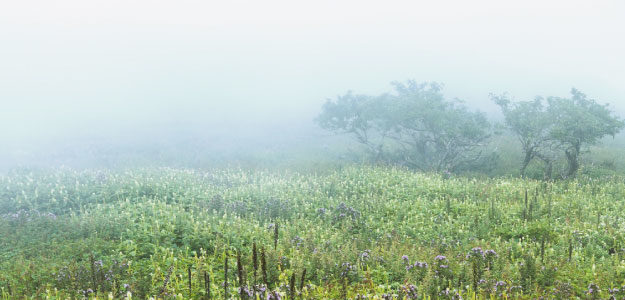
{"x": 239, "y": 75}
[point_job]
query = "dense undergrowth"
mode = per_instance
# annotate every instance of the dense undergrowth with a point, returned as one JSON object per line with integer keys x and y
{"x": 357, "y": 233}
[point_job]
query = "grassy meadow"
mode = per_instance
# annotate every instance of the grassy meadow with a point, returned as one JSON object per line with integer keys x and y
{"x": 354, "y": 232}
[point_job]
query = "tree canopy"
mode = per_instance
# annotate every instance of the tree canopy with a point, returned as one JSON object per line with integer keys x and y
{"x": 565, "y": 125}
{"x": 414, "y": 126}
{"x": 530, "y": 123}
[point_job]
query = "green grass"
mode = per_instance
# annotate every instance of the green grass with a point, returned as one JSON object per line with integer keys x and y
{"x": 118, "y": 233}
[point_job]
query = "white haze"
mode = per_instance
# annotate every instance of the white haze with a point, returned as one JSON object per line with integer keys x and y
{"x": 130, "y": 72}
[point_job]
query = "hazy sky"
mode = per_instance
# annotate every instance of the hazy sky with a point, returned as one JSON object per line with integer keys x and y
{"x": 87, "y": 67}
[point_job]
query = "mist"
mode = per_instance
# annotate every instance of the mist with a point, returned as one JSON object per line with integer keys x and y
{"x": 82, "y": 82}
{"x": 312, "y": 149}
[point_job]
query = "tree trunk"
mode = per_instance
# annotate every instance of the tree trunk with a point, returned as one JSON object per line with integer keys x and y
{"x": 572, "y": 158}
{"x": 548, "y": 173}
{"x": 526, "y": 161}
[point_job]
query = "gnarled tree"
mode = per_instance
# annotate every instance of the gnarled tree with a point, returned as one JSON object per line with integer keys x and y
{"x": 579, "y": 122}
{"x": 361, "y": 116}
{"x": 558, "y": 124}
{"x": 531, "y": 124}
{"x": 414, "y": 126}
{"x": 434, "y": 133}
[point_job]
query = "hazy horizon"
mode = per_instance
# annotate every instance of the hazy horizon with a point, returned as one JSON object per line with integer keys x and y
{"x": 144, "y": 70}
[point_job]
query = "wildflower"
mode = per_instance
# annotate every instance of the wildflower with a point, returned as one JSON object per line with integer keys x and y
{"x": 297, "y": 241}
{"x": 273, "y": 296}
{"x": 500, "y": 284}
{"x": 346, "y": 268}
{"x": 593, "y": 289}
{"x": 476, "y": 252}
{"x": 109, "y": 275}
{"x": 440, "y": 258}
{"x": 490, "y": 253}
{"x": 245, "y": 290}
{"x": 411, "y": 292}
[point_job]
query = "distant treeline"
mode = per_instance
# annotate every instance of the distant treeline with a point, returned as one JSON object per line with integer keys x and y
{"x": 417, "y": 127}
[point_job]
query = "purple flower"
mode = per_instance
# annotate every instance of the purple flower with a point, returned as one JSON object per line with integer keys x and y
{"x": 592, "y": 289}
{"x": 405, "y": 258}
{"x": 245, "y": 290}
{"x": 273, "y": 296}
{"x": 297, "y": 241}
{"x": 440, "y": 258}
{"x": 476, "y": 252}
{"x": 411, "y": 292}
{"x": 490, "y": 253}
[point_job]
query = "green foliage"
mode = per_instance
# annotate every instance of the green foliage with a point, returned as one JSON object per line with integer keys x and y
{"x": 69, "y": 234}
{"x": 364, "y": 117}
{"x": 531, "y": 124}
{"x": 563, "y": 124}
{"x": 578, "y": 122}
{"x": 415, "y": 126}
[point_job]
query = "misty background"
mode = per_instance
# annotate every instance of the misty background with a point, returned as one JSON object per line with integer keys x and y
{"x": 110, "y": 83}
